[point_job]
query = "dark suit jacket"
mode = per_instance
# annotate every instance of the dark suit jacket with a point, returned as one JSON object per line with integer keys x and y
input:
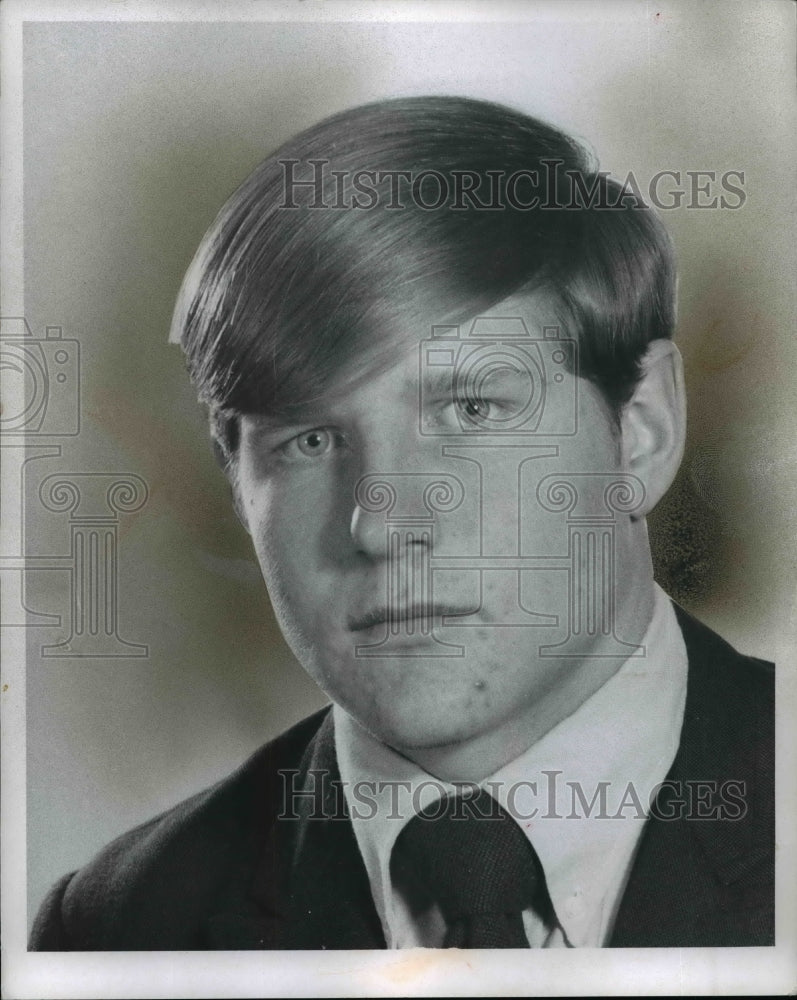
{"x": 219, "y": 871}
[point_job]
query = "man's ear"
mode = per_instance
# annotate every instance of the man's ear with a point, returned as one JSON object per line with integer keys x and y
{"x": 654, "y": 422}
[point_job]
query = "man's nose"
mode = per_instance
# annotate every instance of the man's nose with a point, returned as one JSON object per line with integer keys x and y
{"x": 395, "y": 472}
{"x": 396, "y": 514}
{"x": 369, "y": 532}
{"x": 390, "y": 515}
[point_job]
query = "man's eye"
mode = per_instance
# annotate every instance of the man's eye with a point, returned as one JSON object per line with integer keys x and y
{"x": 309, "y": 444}
{"x": 475, "y": 409}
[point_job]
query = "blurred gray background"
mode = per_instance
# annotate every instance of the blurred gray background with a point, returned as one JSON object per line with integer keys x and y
{"x": 135, "y": 133}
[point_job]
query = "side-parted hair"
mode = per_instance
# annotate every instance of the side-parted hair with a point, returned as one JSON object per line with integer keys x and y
{"x": 359, "y": 229}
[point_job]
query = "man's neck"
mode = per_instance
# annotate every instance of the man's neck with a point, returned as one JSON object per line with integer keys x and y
{"x": 482, "y": 755}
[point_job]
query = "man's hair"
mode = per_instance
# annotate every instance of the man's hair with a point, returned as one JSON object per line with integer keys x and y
{"x": 293, "y": 281}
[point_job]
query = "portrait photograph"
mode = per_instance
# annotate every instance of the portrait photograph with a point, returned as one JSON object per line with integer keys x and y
{"x": 399, "y": 483}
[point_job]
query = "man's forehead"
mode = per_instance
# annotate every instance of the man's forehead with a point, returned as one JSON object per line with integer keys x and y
{"x": 412, "y": 346}
{"x": 434, "y": 360}
{"x": 423, "y": 351}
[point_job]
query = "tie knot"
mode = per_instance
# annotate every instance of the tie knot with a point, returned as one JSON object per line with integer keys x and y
{"x": 472, "y": 856}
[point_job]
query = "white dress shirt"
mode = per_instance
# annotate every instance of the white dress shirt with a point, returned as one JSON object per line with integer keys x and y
{"x": 614, "y": 750}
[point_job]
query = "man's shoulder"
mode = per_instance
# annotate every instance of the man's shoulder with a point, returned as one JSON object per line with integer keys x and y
{"x": 729, "y": 720}
{"x": 715, "y": 661}
{"x": 703, "y": 874}
{"x": 154, "y": 882}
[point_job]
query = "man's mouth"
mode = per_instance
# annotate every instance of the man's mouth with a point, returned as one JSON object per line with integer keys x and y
{"x": 424, "y": 614}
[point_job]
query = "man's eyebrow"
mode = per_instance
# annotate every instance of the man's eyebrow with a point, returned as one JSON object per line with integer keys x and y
{"x": 312, "y": 412}
{"x": 270, "y": 423}
{"x": 438, "y": 380}
{"x": 443, "y": 380}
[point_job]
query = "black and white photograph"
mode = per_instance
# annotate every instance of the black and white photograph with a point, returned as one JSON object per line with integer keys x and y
{"x": 399, "y": 481}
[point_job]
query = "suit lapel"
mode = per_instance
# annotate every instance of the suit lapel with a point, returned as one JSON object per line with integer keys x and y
{"x": 310, "y": 889}
{"x": 695, "y": 880}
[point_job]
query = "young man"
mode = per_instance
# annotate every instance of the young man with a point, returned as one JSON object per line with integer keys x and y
{"x": 435, "y": 346}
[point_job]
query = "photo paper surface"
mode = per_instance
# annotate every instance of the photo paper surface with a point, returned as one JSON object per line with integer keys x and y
{"x": 458, "y": 409}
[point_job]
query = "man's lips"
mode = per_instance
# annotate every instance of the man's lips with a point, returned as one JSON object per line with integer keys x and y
{"x": 416, "y": 612}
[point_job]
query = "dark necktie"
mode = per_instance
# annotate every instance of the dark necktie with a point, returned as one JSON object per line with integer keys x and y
{"x": 476, "y": 863}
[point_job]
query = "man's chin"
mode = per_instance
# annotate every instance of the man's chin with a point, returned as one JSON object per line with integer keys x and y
{"x": 417, "y": 731}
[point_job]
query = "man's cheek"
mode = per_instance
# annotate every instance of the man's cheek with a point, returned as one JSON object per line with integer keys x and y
{"x": 293, "y": 584}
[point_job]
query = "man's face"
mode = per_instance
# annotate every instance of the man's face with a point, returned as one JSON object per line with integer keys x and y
{"x": 439, "y": 548}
